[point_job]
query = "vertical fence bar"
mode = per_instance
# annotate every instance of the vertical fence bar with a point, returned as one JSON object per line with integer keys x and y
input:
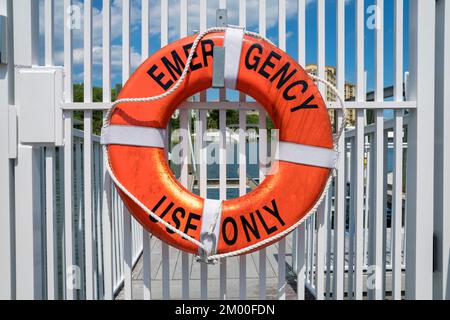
{"x": 339, "y": 205}
{"x": 358, "y": 171}
{"x": 165, "y": 246}
{"x": 87, "y": 149}
{"x": 359, "y": 162}
{"x": 68, "y": 205}
{"x": 301, "y": 262}
{"x": 48, "y": 29}
{"x": 419, "y": 218}
{"x": 106, "y": 213}
{"x": 311, "y": 226}
{"x": 223, "y": 190}
{"x": 282, "y": 242}
{"x": 115, "y": 237}
{"x": 184, "y": 126}
{"x": 146, "y": 254}
{"x": 203, "y": 186}
{"x": 320, "y": 214}
{"x": 68, "y": 122}
{"x": 203, "y": 15}
{"x": 442, "y": 173}
{"x": 340, "y": 181}
{"x": 301, "y": 232}
{"x": 97, "y": 223}
{"x": 262, "y": 153}
{"x": 165, "y": 271}
{"x": 52, "y": 278}
{"x": 78, "y": 239}
{"x": 127, "y": 236}
{"x": 7, "y": 268}
{"x": 378, "y": 163}
{"x": 397, "y": 207}
{"x": 223, "y": 155}
{"x": 349, "y": 168}
{"x": 95, "y": 211}
{"x": 202, "y": 165}
{"x": 202, "y": 159}
{"x": 328, "y": 223}
{"x": 120, "y": 236}
{"x": 321, "y": 248}
{"x": 377, "y": 208}
{"x": 28, "y": 267}
{"x": 242, "y": 191}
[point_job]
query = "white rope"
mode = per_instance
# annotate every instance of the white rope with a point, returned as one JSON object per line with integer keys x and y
{"x": 215, "y": 258}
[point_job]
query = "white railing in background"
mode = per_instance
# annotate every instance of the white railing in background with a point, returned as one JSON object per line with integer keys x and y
{"x": 60, "y": 210}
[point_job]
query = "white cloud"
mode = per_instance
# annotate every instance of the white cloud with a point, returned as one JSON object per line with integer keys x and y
{"x": 252, "y": 10}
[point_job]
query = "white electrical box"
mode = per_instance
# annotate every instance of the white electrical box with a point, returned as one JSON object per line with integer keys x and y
{"x": 39, "y": 94}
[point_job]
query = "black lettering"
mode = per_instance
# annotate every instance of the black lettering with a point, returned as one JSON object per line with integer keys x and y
{"x": 164, "y": 212}
{"x": 305, "y": 105}
{"x": 268, "y": 63}
{"x": 158, "y": 78}
{"x": 226, "y": 221}
{"x": 289, "y": 97}
{"x": 186, "y": 49}
{"x": 207, "y": 53}
{"x": 274, "y": 212}
{"x": 189, "y": 225}
{"x": 160, "y": 202}
{"x": 175, "y": 218}
{"x": 252, "y": 227}
{"x": 282, "y": 73}
{"x": 268, "y": 230}
{"x": 177, "y": 65}
{"x": 253, "y": 65}
{"x": 156, "y": 207}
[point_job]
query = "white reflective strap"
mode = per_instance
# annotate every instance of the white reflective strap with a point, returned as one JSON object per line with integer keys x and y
{"x": 308, "y": 155}
{"x": 133, "y": 136}
{"x": 233, "y": 47}
{"x": 212, "y": 212}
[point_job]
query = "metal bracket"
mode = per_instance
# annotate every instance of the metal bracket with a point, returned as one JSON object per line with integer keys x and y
{"x": 218, "y": 79}
{"x": 3, "y": 40}
{"x": 221, "y": 18}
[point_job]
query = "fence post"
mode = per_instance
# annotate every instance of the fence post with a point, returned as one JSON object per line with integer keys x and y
{"x": 27, "y": 186}
{"x": 442, "y": 153}
{"x": 6, "y": 168}
{"x": 419, "y": 216}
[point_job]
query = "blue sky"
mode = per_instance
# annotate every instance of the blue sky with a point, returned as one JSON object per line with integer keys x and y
{"x": 252, "y": 24}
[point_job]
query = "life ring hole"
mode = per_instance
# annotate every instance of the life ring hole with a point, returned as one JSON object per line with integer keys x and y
{"x": 212, "y": 149}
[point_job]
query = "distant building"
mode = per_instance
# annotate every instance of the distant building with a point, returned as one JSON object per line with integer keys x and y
{"x": 349, "y": 89}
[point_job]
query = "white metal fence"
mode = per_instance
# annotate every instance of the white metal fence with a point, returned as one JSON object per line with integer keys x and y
{"x": 59, "y": 211}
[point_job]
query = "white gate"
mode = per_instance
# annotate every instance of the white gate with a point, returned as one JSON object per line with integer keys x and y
{"x": 65, "y": 234}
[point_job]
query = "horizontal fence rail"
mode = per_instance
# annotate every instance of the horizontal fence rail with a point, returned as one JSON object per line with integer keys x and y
{"x": 90, "y": 247}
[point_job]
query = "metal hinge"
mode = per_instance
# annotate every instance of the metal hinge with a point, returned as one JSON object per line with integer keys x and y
{"x": 12, "y": 132}
{"x": 3, "y": 40}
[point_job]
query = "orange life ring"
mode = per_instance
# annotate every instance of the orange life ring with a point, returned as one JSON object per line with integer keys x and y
{"x": 293, "y": 102}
